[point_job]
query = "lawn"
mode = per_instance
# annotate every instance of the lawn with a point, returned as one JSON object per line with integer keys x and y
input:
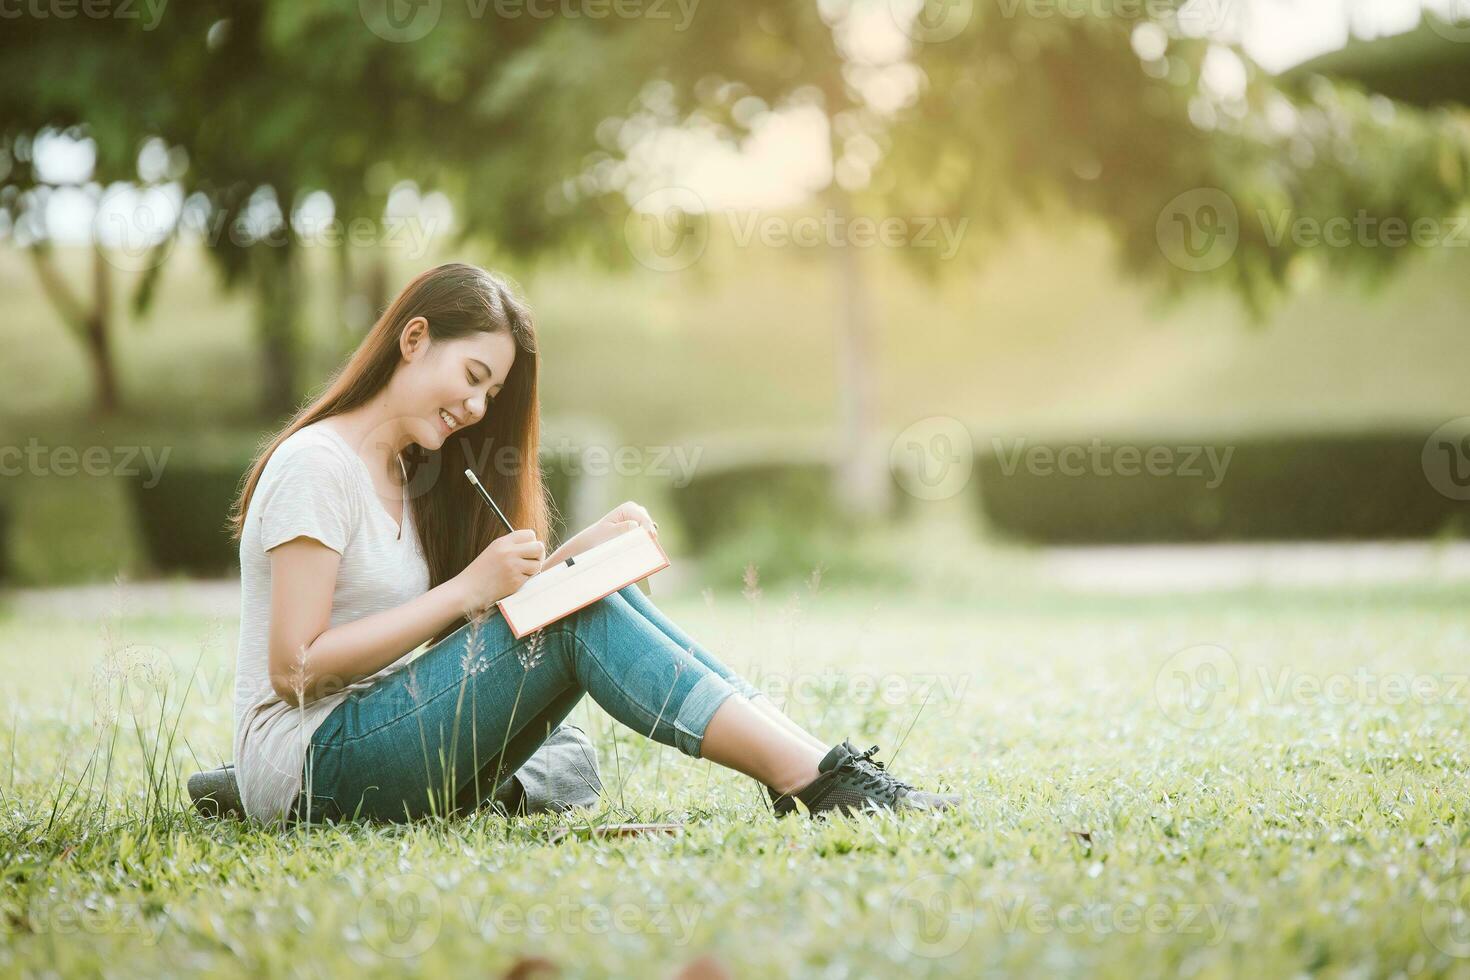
{"x": 1245, "y": 784}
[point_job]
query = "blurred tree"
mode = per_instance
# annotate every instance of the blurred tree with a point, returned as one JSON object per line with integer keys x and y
{"x": 731, "y": 67}
{"x": 1427, "y": 66}
{"x": 1185, "y": 151}
{"x": 1194, "y": 160}
{"x": 94, "y": 97}
{"x": 273, "y": 101}
{"x": 1193, "y": 157}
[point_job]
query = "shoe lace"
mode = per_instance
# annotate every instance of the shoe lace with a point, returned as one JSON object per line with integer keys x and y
{"x": 865, "y": 759}
{"x": 873, "y": 775}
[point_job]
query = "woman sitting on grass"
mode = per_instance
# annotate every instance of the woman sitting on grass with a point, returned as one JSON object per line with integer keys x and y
{"x": 358, "y": 543}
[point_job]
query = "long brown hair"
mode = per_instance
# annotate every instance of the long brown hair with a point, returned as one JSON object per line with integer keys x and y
{"x": 453, "y": 523}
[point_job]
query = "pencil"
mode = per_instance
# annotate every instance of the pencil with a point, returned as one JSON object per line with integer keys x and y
{"x": 488, "y": 499}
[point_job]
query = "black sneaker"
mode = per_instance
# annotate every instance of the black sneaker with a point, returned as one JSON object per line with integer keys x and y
{"x": 852, "y": 782}
{"x": 916, "y": 797}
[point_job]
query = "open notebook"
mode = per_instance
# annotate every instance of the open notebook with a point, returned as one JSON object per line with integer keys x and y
{"x": 582, "y": 579}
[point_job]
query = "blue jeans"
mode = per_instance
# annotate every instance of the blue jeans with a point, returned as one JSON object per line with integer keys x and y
{"x": 441, "y": 734}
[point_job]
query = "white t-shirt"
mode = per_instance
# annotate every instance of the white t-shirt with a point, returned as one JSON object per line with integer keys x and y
{"x": 314, "y": 484}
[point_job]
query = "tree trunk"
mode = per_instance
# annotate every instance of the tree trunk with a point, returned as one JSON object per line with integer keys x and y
{"x": 90, "y": 325}
{"x": 377, "y": 283}
{"x": 277, "y": 312}
{"x": 99, "y": 336}
{"x": 863, "y": 483}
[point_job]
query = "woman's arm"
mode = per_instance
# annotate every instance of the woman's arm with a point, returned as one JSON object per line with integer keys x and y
{"x": 307, "y": 659}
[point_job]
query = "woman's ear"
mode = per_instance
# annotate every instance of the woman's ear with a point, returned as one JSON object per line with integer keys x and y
{"x": 414, "y": 339}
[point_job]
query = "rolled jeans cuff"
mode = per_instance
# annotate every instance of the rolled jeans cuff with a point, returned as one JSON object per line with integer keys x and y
{"x": 698, "y": 708}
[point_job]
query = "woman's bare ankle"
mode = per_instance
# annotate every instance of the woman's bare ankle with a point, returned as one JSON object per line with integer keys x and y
{"x": 800, "y": 777}
{"x": 741, "y": 737}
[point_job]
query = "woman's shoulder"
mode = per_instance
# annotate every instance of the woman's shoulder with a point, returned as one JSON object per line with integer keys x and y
{"x": 312, "y": 447}
{"x": 308, "y": 486}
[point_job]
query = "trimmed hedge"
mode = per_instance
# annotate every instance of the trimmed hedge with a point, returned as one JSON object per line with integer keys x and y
{"x": 5, "y": 571}
{"x": 182, "y": 520}
{"x": 729, "y": 501}
{"x": 1309, "y": 487}
{"x": 796, "y": 497}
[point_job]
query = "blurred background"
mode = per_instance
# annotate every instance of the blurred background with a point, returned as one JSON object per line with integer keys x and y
{"x": 877, "y": 292}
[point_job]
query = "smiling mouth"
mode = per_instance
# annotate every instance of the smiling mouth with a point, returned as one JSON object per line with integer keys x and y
{"x": 450, "y": 422}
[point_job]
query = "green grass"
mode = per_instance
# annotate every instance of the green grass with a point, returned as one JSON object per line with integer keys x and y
{"x": 1309, "y": 818}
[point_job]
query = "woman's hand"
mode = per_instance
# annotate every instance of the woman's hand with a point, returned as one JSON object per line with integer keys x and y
{"x": 500, "y": 569}
{"x": 620, "y": 520}
{"x": 630, "y": 511}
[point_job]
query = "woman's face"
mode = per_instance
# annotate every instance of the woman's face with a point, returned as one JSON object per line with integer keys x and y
{"x": 449, "y": 384}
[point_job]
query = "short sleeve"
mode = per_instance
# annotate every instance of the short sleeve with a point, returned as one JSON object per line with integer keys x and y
{"x": 310, "y": 495}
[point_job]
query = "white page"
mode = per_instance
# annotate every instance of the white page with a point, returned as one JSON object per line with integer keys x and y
{"x": 593, "y": 574}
